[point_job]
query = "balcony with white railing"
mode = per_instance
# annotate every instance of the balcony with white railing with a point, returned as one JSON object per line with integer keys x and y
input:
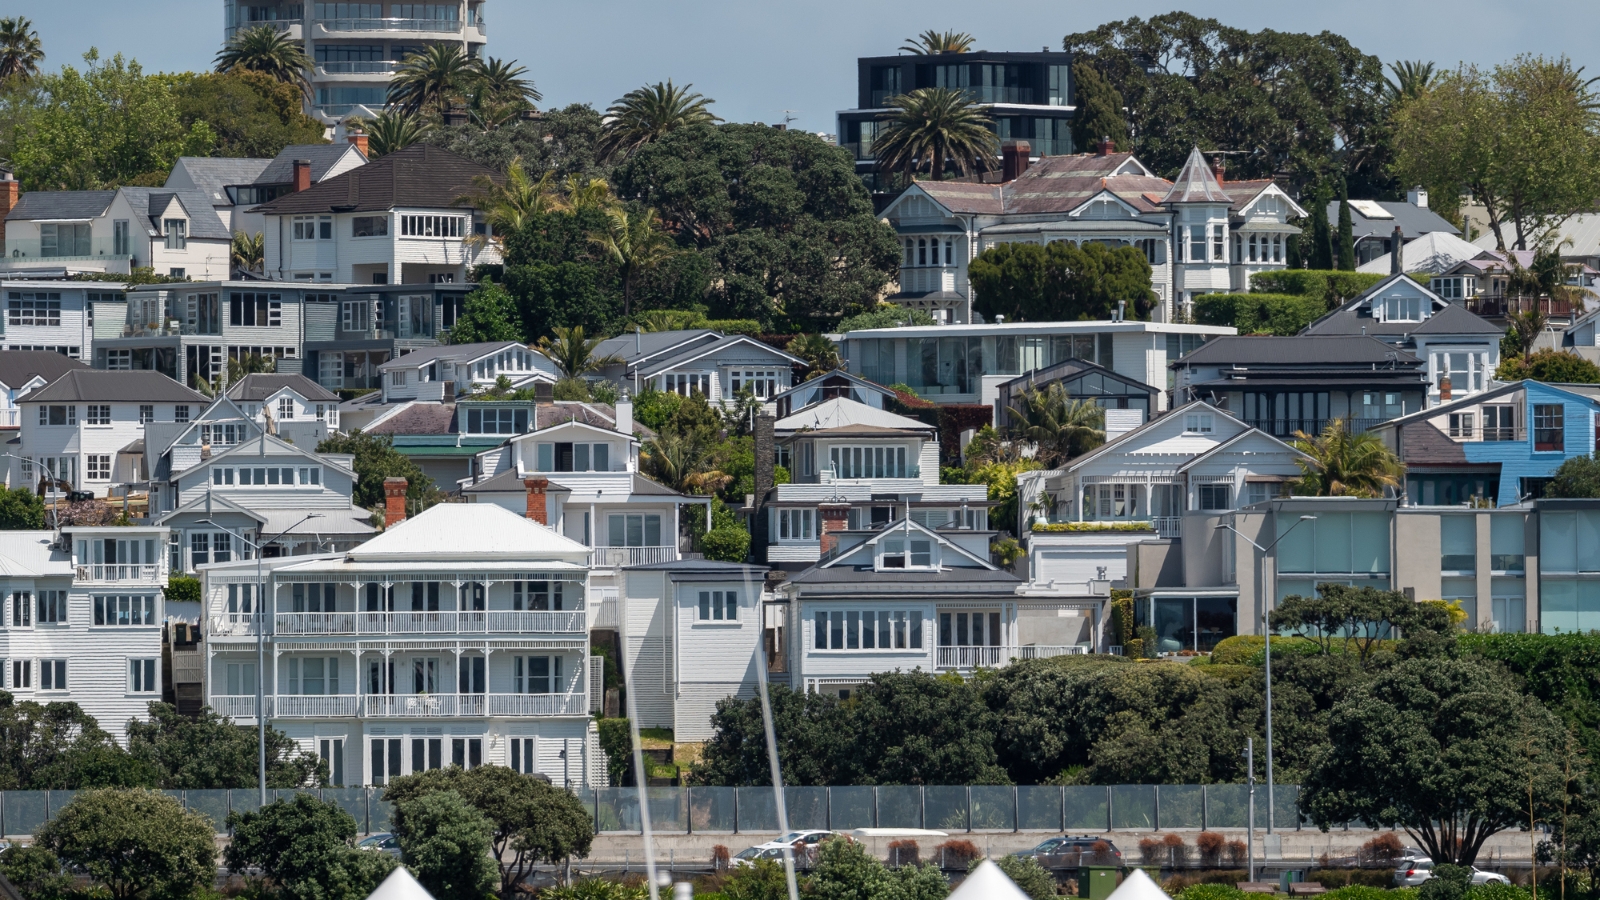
{"x": 995, "y": 657}
{"x": 616, "y": 557}
{"x": 358, "y": 67}
{"x": 506, "y": 621}
{"x": 10, "y": 418}
{"x": 411, "y": 26}
{"x": 121, "y": 574}
{"x": 315, "y": 706}
{"x": 237, "y": 706}
{"x": 304, "y": 623}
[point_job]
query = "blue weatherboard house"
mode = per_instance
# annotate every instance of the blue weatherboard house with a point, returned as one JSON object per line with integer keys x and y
{"x": 1502, "y": 445}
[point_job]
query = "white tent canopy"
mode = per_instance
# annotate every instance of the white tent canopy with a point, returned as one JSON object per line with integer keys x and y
{"x": 1138, "y": 886}
{"x": 987, "y": 882}
{"x": 400, "y": 885}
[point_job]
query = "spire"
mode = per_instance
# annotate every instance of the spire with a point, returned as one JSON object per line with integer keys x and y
{"x": 1196, "y": 183}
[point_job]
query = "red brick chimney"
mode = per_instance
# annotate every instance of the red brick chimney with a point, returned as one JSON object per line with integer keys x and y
{"x": 357, "y": 138}
{"x": 835, "y": 518}
{"x": 1105, "y": 147}
{"x": 10, "y": 193}
{"x": 1216, "y": 168}
{"x": 1444, "y": 389}
{"x": 1014, "y": 159}
{"x": 537, "y": 510}
{"x": 394, "y": 501}
{"x": 302, "y": 175}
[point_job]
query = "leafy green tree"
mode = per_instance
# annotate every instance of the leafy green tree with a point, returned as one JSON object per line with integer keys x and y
{"x": 446, "y": 842}
{"x": 1279, "y": 314}
{"x": 818, "y": 351}
{"x": 133, "y": 843}
{"x": 1577, "y": 477}
{"x": 1449, "y": 882}
{"x": 910, "y": 729}
{"x": 1347, "y": 245}
{"x": 306, "y": 848}
{"x": 58, "y": 746}
{"x": 729, "y": 543}
{"x": 36, "y": 872}
{"x": 429, "y": 80}
{"x": 248, "y": 253}
{"x": 20, "y": 51}
{"x": 266, "y": 50}
{"x": 488, "y": 314}
{"x": 1340, "y": 463}
{"x": 1549, "y": 366}
{"x": 636, "y": 244}
{"x": 558, "y": 279}
{"x": 932, "y": 43}
{"x": 1034, "y": 880}
{"x": 1356, "y": 619}
{"x": 810, "y": 727}
{"x": 1412, "y": 79}
{"x": 500, "y": 93}
{"x": 1099, "y": 112}
{"x": 1061, "y": 281}
{"x": 787, "y": 228}
{"x": 845, "y": 871}
{"x": 21, "y": 510}
{"x": 375, "y": 460}
{"x": 251, "y": 113}
{"x": 886, "y": 315}
{"x": 208, "y": 752}
{"x": 104, "y": 126}
{"x": 1321, "y": 255}
{"x": 562, "y": 141}
{"x": 573, "y": 352}
{"x": 930, "y": 128}
{"x": 532, "y": 822}
{"x": 649, "y": 113}
{"x": 1448, "y": 749}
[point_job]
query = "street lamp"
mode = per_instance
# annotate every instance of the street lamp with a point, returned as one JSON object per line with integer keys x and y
{"x": 49, "y": 478}
{"x": 1260, "y": 578}
{"x": 261, "y": 645}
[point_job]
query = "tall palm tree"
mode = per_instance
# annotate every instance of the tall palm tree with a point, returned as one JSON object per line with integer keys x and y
{"x": 573, "y": 353}
{"x": 1345, "y": 464}
{"x": 645, "y": 114}
{"x": 393, "y": 130}
{"x": 20, "y": 52}
{"x": 500, "y": 93}
{"x": 510, "y": 204}
{"x": 1059, "y": 427}
{"x": 636, "y": 243}
{"x": 684, "y": 461}
{"x": 269, "y": 51}
{"x": 932, "y": 42}
{"x": 249, "y": 251}
{"x": 930, "y": 126}
{"x": 434, "y": 77}
{"x": 816, "y": 350}
{"x": 1411, "y": 79}
{"x": 590, "y": 193}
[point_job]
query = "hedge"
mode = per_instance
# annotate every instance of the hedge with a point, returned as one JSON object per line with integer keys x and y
{"x": 1329, "y": 287}
{"x": 1259, "y": 313}
{"x": 1057, "y": 527}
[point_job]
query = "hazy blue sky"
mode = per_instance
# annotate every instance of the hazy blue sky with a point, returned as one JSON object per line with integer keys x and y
{"x": 758, "y": 58}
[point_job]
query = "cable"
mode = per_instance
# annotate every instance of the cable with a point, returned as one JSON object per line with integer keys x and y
{"x": 772, "y": 740}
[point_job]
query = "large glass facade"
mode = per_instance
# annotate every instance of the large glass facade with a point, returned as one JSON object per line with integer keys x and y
{"x": 1341, "y": 548}
{"x": 1188, "y": 623}
{"x": 1569, "y": 589}
{"x": 952, "y": 365}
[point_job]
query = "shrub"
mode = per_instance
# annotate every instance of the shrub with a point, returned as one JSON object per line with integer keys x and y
{"x": 1362, "y": 891}
{"x": 1238, "y": 854}
{"x": 1385, "y": 848}
{"x": 1031, "y": 877}
{"x": 1496, "y": 891}
{"x": 1449, "y": 882}
{"x": 1359, "y": 878}
{"x": 1210, "y": 844}
{"x": 1331, "y": 287}
{"x": 1175, "y": 851}
{"x": 1278, "y": 314}
{"x": 719, "y": 857}
{"x": 1150, "y": 851}
{"x": 1550, "y": 366}
{"x": 729, "y": 543}
{"x": 734, "y": 326}
{"x": 904, "y": 853}
{"x": 1069, "y": 527}
{"x": 1210, "y": 892}
{"x": 956, "y": 854}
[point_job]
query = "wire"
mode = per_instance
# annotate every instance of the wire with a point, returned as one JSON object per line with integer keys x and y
{"x": 640, "y": 779}
{"x": 772, "y": 740}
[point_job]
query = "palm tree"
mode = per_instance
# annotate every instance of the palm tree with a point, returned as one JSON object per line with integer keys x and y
{"x": 393, "y": 130}
{"x": 932, "y": 125}
{"x": 433, "y": 77}
{"x": 1527, "y": 324}
{"x": 1411, "y": 80}
{"x": 500, "y": 93}
{"x": 667, "y": 320}
{"x": 930, "y": 43}
{"x": 249, "y": 251}
{"x": 594, "y": 193}
{"x": 684, "y": 461}
{"x": 1343, "y": 464}
{"x": 636, "y": 244}
{"x": 573, "y": 353}
{"x": 20, "y": 52}
{"x": 269, "y": 51}
{"x": 508, "y": 206}
{"x": 1059, "y": 427}
{"x": 816, "y": 350}
{"x": 645, "y": 114}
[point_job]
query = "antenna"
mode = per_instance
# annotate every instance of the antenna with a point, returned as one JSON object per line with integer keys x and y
{"x": 787, "y": 117}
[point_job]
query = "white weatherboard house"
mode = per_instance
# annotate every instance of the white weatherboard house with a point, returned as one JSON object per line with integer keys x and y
{"x": 457, "y": 637}
{"x": 83, "y": 611}
{"x": 175, "y": 232}
{"x": 23, "y": 371}
{"x": 57, "y": 316}
{"x": 717, "y": 366}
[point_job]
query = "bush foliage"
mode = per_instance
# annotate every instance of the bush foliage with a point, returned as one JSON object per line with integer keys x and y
{"x": 1259, "y": 313}
{"x": 1330, "y": 286}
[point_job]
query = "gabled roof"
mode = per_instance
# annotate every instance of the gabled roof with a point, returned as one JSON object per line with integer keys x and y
{"x": 820, "y": 380}
{"x": 259, "y": 386}
{"x": 1247, "y": 434}
{"x": 217, "y": 501}
{"x": 419, "y": 418}
{"x": 634, "y": 347}
{"x": 1068, "y": 369}
{"x": 1300, "y": 349}
{"x": 61, "y": 205}
{"x": 400, "y": 885}
{"x": 152, "y": 202}
{"x": 1456, "y": 319}
{"x": 1127, "y": 439}
{"x": 841, "y": 412}
{"x": 421, "y": 176}
{"x": 212, "y": 175}
{"x": 255, "y": 445}
{"x": 1434, "y": 252}
{"x": 422, "y": 356}
{"x": 704, "y": 349}
{"x": 1196, "y": 183}
{"x": 475, "y": 531}
{"x": 98, "y": 386}
{"x": 18, "y": 367}
{"x": 280, "y": 169}
{"x": 509, "y": 481}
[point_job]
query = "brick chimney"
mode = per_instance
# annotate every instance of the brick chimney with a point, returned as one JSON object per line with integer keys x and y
{"x": 1014, "y": 159}
{"x": 357, "y": 139}
{"x": 394, "y": 501}
{"x": 835, "y": 517}
{"x": 1444, "y": 389}
{"x": 1396, "y": 244}
{"x": 302, "y": 175}
{"x": 10, "y": 193}
{"x": 537, "y": 510}
{"x": 1105, "y": 147}
{"x": 765, "y": 476}
{"x": 1217, "y": 168}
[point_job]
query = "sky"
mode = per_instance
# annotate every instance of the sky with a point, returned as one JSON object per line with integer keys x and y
{"x": 765, "y": 61}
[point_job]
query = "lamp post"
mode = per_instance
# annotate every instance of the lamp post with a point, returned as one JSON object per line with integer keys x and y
{"x": 261, "y": 646}
{"x": 1260, "y": 578}
{"x": 49, "y": 479}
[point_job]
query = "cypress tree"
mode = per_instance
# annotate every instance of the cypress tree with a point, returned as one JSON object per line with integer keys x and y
{"x": 1320, "y": 255}
{"x": 1347, "y": 244}
{"x": 1099, "y": 111}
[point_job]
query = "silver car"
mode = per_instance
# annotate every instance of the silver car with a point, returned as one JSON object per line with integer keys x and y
{"x": 383, "y": 842}
{"x": 1413, "y": 872}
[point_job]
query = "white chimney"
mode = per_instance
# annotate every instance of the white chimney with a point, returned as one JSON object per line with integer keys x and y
{"x": 1418, "y": 197}
{"x": 625, "y": 412}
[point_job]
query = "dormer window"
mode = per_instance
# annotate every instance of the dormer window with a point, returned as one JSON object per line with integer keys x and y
{"x": 1403, "y": 309}
{"x": 894, "y": 555}
{"x": 177, "y": 231}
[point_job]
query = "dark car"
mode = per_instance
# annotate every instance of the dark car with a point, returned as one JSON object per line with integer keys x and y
{"x": 1070, "y": 851}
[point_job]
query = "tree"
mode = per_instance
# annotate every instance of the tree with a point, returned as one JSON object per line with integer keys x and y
{"x": 811, "y": 730}
{"x": 911, "y": 729}
{"x": 930, "y": 127}
{"x": 819, "y": 352}
{"x": 20, "y": 510}
{"x": 1549, "y": 366}
{"x": 269, "y": 51}
{"x": 248, "y": 252}
{"x": 500, "y": 93}
{"x": 1343, "y": 464}
{"x": 1099, "y": 112}
{"x": 1411, "y": 80}
{"x": 58, "y": 746}
{"x": 446, "y": 842}
{"x": 573, "y": 352}
{"x": 250, "y": 113}
{"x": 394, "y": 130}
{"x": 20, "y": 51}
{"x": 375, "y": 460}
{"x": 1321, "y": 256}
{"x": 636, "y": 244}
{"x": 133, "y": 842}
{"x": 510, "y": 203}
{"x": 488, "y": 314}
{"x": 1061, "y": 281}
{"x": 1060, "y": 427}
{"x": 37, "y": 873}
{"x": 433, "y": 78}
{"x": 563, "y": 141}
{"x": 1347, "y": 245}
{"x": 684, "y": 461}
{"x": 1521, "y": 138}
{"x": 1577, "y": 477}
{"x": 1447, "y": 749}
{"x": 886, "y": 315}
{"x": 1356, "y": 619}
{"x": 932, "y": 43}
{"x": 208, "y": 751}
{"x": 1034, "y": 880}
{"x": 306, "y": 848}
{"x": 649, "y": 113}
{"x": 845, "y": 871}
{"x": 532, "y": 823}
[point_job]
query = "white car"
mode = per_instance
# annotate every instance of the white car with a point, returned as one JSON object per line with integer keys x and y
{"x": 774, "y": 849}
{"x": 1413, "y": 872}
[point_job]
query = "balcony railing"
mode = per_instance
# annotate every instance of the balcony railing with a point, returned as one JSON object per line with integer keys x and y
{"x": 1287, "y": 426}
{"x": 1498, "y": 306}
{"x": 402, "y": 706}
{"x": 10, "y": 418}
{"x": 315, "y": 706}
{"x": 450, "y": 622}
{"x": 1478, "y": 432}
{"x": 616, "y": 557}
{"x": 32, "y": 250}
{"x": 538, "y": 704}
{"x": 358, "y": 67}
{"x": 237, "y": 706}
{"x": 828, "y": 474}
{"x": 1166, "y": 526}
{"x": 315, "y": 623}
{"x": 120, "y": 573}
{"x": 359, "y": 25}
{"x": 994, "y": 657}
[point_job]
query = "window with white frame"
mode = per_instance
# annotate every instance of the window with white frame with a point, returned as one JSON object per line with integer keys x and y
{"x": 180, "y": 413}
{"x": 685, "y": 383}
{"x": 1404, "y": 309}
{"x": 636, "y": 530}
{"x": 1464, "y": 369}
{"x": 22, "y": 609}
{"x": 22, "y": 673}
{"x": 892, "y": 553}
{"x": 561, "y": 456}
{"x": 58, "y": 415}
{"x": 147, "y": 413}
{"x": 719, "y": 606}
{"x": 1197, "y": 243}
{"x": 142, "y": 676}
{"x": 868, "y": 462}
{"x": 541, "y": 596}
{"x": 305, "y": 228}
{"x": 52, "y": 607}
{"x": 52, "y": 674}
{"x": 867, "y": 630}
{"x": 1198, "y": 423}
{"x": 285, "y": 408}
{"x": 431, "y": 226}
{"x": 98, "y": 466}
{"x": 763, "y": 383}
{"x": 1215, "y": 496}
{"x": 524, "y": 755}
{"x": 1219, "y": 242}
{"x": 397, "y": 378}
{"x": 353, "y": 315}
{"x": 222, "y": 434}
{"x": 793, "y": 524}
{"x": 33, "y": 308}
{"x": 536, "y": 675}
{"x": 177, "y": 232}
{"x": 97, "y": 414}
{"x": 1446, "y": 286}
{"x": 124, "y": 609}
{"x": 313, "y": 675}
{"x": 497, "y": 420}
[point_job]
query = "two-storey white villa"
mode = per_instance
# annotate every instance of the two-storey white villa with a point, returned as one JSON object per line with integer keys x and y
{"x": 84, "y": 429}
{"x": 175, "y": 232}
{"x": 83, "y": 613}
{"x": 392, "y": 221}
{"x": 22, "y": 371}
{"x": 457, "y": 637}
{"x": 717, "y": 366}
{"x": 285, "y": 399}
{"x": 1201, "y": 234}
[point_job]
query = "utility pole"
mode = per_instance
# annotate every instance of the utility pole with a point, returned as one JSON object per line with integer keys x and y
{"x": 1250, "y": 830}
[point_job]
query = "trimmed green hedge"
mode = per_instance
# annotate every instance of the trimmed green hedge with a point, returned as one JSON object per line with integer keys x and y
{"x": 1056, "y": 527}
{"x": 1330, "y": 287}
{"x": 1279, "y": 314}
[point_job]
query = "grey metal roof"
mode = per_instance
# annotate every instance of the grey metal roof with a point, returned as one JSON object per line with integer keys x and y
{"x": 640, "y": 344}
{"x": 212, "y": 174}
{"x": 61, "y": 205}
{"x": 280, "y": 169}
{"x": 1414, "y": 221}
{"x": 907, "y": 580}
{"x": 689, "y": 354}
{"x": 509, "y": 481}
{"x": 203, "y": 219}
{"x": 1455, "y": 319}
{"x": 259, "y": 386}
{"x": 703, "y": 567}
{"x": 1306, "y": 350}
{"x": 17, "y": 367}
{"x": 99, "y": 386}
{"x": 425, "y": 355}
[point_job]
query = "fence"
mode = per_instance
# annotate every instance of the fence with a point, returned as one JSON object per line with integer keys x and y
{"x": 686, "y": 810}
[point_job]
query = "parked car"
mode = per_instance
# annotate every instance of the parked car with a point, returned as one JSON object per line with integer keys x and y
{"x": 383, "y": 842}
{"x": 1414, "y": 871}
{"x": 802, "y": 841}
{"x": 1074, "y": 850}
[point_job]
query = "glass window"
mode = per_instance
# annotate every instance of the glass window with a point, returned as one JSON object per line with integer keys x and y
{"x": 1549, "y": 429}
{"x": 1506, "y": 541}
{"x": 1458, "y": 543}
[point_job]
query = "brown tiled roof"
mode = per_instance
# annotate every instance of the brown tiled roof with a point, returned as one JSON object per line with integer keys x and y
{"x": 1423, "y": 444}
{"x": 421, "y": 175}
{"x": 420, "y": 418}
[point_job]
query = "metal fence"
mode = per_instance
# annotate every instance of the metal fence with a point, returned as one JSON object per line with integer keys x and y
{"x": 687, "y": 810}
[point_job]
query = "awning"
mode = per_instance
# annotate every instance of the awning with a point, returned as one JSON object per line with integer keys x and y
{"x": 1266, "y": 228}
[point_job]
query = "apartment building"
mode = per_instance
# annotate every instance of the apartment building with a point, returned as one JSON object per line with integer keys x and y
{"x": 22, "y": 371}
{"x": 174, "y": 232}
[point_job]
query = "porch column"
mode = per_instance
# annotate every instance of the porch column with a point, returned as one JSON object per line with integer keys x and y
{"x": 1144, "y": 494}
